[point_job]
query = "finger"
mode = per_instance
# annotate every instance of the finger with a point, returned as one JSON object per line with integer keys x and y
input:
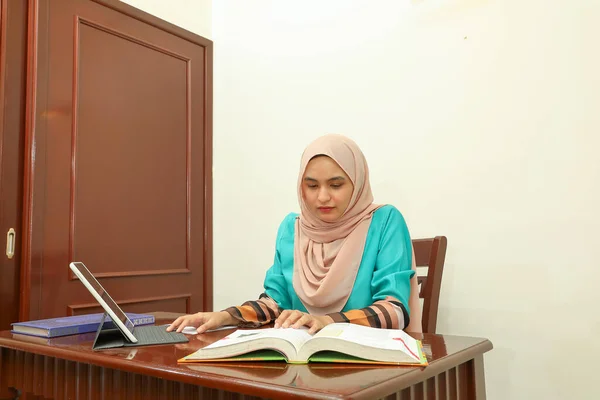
{"x": 294, "y": 316}
{"x": 282, "y": 317}
{"x": 315, "y": 326}
{"x": 278, "y": 320}
{"x": 184, "y": 323}
{"x": 174, "y": 324}
{"x": 287, "y": 322}
{"x": 304, "y": 320}
{"x": 210, "y": 324}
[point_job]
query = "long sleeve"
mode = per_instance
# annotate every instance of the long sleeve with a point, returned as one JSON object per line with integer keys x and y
{"x": 385, "y": 314}
{"x": 255, "y": 313}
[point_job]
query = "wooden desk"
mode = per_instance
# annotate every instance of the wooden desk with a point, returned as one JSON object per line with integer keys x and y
{"x": 67, "y": 367}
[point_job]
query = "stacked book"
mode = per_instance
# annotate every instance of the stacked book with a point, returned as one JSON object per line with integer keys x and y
{"x": 73, "y": 325}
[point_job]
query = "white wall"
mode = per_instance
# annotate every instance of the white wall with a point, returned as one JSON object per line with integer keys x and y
{"x": 481, "y": 122}
{"x": 192, "y": 15}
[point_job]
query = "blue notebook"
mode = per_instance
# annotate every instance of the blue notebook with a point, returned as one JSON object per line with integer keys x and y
{"x": 77, "y": 324}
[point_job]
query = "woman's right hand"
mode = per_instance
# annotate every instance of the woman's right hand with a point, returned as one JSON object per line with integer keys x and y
{"x": 202, "y": 321}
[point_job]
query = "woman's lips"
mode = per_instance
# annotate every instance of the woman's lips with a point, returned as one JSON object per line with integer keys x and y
{"x": 325, "y": 209}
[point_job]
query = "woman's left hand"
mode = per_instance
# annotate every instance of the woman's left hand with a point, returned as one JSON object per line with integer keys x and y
{"x": 296, "y": 319}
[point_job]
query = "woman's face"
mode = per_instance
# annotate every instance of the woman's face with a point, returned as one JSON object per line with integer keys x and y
{"x": 326, "y": 188}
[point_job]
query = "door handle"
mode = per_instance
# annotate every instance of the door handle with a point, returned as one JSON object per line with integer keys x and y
{"x": 10, "y": 243}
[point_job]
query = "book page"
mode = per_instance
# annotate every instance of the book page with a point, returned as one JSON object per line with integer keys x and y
{"x": 297, "y": 337}
{"x": 388, "y": 339}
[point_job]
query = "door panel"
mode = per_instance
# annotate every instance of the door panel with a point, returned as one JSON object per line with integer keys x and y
{"x": 139, "y": 305}
{"x": 134, "y": 163}
{"x": 13, "y": 53}
{"x": 120, "y": 150}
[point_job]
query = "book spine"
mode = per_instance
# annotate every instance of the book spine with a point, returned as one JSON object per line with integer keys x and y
{"x": 146, "y": 320}
{"x": 72, "y": 330}
{"x": 92, "y": 327}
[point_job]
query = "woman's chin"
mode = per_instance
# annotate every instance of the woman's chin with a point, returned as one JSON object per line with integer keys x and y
{"x": 328, "y": 217}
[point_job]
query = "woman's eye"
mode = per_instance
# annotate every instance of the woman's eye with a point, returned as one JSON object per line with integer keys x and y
{"x": 336, "y": 186}
{"x": 312, "y": 186}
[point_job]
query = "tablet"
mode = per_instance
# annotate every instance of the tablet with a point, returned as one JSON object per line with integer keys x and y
{"x": 108, "y": 304}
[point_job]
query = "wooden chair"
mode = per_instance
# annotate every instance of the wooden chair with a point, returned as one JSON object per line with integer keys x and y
{"x": 430, "y": 253}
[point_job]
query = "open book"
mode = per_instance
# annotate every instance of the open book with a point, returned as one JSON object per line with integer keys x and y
{"x": 339, "y": 342}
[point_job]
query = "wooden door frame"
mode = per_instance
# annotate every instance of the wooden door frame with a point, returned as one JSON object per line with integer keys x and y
{"x": 31, "y": 185}
{"x": 13, "y": 51}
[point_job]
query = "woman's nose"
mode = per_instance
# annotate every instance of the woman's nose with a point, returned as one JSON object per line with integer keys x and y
{"x": 323, "y": 195}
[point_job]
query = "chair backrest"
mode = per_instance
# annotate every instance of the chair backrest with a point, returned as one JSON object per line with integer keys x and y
{"x": 429, "y": 253}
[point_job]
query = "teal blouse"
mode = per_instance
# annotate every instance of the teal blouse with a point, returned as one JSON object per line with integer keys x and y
{"x": 385, "y": 268}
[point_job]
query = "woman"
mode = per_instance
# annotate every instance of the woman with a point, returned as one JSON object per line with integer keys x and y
{"x": 343, "y": 259}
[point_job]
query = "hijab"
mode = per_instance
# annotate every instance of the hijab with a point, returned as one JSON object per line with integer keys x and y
{"x": 327, "y": 255}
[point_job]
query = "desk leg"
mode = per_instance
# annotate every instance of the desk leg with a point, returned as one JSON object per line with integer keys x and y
{"x": 479, "y": 377}
{"x": 465, "y": 381}
{"x": 471, "y": 379}
{"x": 7, "y": 391}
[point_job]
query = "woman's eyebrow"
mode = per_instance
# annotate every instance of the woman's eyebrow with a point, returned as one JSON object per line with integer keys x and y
{"x": 335, "y": 178}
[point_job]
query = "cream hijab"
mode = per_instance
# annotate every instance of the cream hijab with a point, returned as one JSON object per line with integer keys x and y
{"x": 327, "y": 255}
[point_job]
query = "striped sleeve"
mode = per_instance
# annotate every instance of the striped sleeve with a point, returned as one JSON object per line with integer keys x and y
{"x": 386, "y": 314}
{"x": 255, "y": 313}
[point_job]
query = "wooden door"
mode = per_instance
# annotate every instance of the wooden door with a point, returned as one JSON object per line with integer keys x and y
{"x": 118, "y": 151}
{"x": 13, "y": 51}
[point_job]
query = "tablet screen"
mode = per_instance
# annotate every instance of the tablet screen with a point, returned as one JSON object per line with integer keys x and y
{"x": 104, "y": 295}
